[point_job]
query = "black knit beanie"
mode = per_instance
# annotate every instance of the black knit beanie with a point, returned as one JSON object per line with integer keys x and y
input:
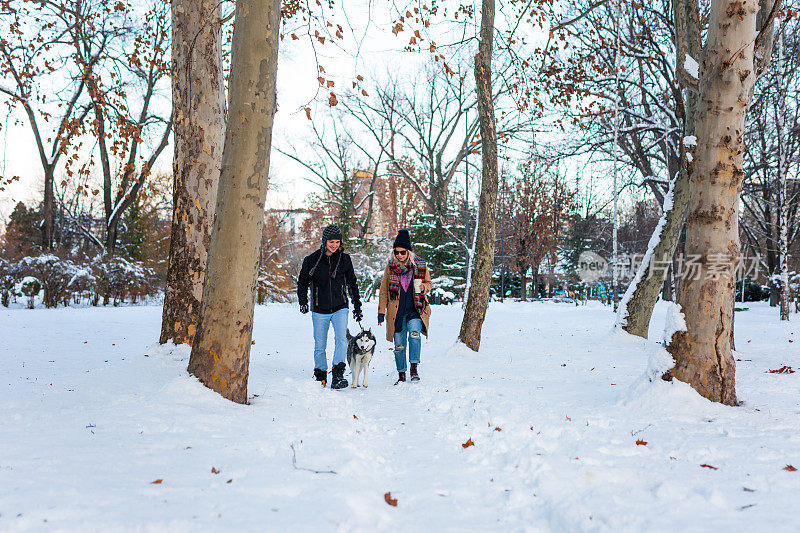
{"x": 403, "y": 240}
{"x": 330, "y": 233}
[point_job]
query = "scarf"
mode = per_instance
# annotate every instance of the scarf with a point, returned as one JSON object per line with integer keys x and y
{"x": 402, "y": 274}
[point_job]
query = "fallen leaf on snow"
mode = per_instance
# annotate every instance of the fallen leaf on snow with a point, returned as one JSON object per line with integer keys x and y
{"x": 498, "y": 429}
{"x": 782, "y": 370}
{"x": 640, "y": 442}
{"x": 214, "y": 470}
{"x": 468, "y": 443}
{"x": 709, "y": 466}
{"x": 789, "y": 468}
{"x": 391, "y": 501}
{"x": 156, "y": 482}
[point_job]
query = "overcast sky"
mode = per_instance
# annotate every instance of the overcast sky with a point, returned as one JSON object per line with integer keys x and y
{"x": 369, "y": 49}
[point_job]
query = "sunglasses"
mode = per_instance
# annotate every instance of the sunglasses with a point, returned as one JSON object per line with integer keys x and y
{"x": 400, "y": 252}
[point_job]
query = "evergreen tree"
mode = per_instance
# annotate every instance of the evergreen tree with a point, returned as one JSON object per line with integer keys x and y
{"x": 438, "y": 243}
{"x": 133, "y": 231}
{"x": 23, "y": 231}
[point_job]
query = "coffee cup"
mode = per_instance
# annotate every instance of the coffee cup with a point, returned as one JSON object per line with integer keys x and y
{"x": 417, "y": 285}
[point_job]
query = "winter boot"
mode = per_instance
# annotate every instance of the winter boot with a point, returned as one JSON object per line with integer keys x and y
{"x": 414, "y": 373}
{"x": 321, "y": 375}
{"x": 401, "y": 376}
{"x": 337, "y": 377}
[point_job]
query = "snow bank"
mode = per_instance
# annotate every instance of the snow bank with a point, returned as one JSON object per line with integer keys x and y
{"x": 554, "y": 426}
{"x": 675, "y": 321}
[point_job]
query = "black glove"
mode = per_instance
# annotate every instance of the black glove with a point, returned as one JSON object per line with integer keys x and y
{"x": 358, "y": 315}
{"x": 381, "y": 316}
{"x": 304, "y": 308}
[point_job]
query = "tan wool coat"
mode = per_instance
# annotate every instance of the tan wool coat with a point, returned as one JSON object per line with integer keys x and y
{"x": 389, "y": 307}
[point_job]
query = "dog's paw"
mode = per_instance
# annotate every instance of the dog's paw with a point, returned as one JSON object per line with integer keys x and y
{"x": 365, "y": 385}
{"x": 353, "y": 386}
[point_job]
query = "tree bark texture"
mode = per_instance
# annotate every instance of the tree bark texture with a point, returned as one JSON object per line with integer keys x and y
{"x": 635, "y": 317}
{"x": 198, "y": 99}
{"x": 478, "y": 299}
{"x": 221, "y": 350}
{"x": 703, "y": 354}
{"x": 48, "y": 208}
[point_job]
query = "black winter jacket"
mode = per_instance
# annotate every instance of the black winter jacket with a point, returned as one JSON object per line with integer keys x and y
{"x": 328, "y": 282}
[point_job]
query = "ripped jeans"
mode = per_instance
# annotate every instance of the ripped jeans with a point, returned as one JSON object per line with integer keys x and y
{"x": 410, "y": 332}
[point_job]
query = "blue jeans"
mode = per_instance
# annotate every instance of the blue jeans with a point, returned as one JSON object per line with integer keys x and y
{"x": 411, "y": 331}
{"x": 321, "y": 321}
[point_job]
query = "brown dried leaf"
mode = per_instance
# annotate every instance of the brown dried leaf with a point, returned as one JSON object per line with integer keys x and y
{"x": 468, "y": 443}
{"x": 214, "y": 470}
{"x": 709, "y": 466}
{"x": 156, "y": 482}
{"x": 391, "y": 501}
{"x": 789, "y": 468}
{"x": 640, "y": 442}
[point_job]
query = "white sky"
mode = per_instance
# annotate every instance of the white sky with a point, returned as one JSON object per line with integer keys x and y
{"x": 369, "y": 49}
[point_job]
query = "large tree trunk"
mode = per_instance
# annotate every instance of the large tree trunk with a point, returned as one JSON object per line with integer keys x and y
{"x": 221, "y": 349}
{"x": 635, "y": 313}
{"x": 702, "y": 353}
{"x": 634, "y": 316}
{"x": 478, "y": 300}
{"x": 198, "y": 100}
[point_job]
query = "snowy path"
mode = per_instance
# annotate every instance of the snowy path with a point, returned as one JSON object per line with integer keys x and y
{"x": 554, "y": 405}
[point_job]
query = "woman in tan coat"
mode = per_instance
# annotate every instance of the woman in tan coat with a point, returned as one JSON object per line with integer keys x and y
{"x": 404, "y": 304}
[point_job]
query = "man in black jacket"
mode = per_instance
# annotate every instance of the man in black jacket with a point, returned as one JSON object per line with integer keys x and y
{"x": 329, "y": 272}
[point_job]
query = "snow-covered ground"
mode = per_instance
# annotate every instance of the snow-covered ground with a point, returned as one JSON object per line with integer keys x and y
{"x": 92, "y": 414}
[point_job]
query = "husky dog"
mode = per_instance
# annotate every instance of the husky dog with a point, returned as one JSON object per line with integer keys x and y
{"x": 359, "y": 351}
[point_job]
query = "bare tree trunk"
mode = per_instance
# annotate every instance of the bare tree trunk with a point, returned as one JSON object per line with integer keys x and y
{"x": 111, "y": 237}
{"x": 783, "y": 205}
{"x": 198, "y": 99}
{"x": 523, "y": 289}
{"x": 478, "y": 300}
{"x": 634, "y": 316}
{"x": 703, "y": 353}
{"x": 48, "y": 209}
{"x": 221, "y": 350}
